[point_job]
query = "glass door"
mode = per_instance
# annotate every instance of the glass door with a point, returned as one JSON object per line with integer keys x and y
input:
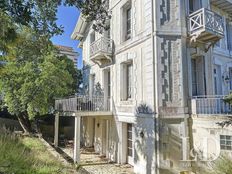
{"x": 130, "y": 154}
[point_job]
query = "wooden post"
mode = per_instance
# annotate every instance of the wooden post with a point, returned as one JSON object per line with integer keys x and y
{"x": 56, "y": 134}
{"x": 76, "y": 155}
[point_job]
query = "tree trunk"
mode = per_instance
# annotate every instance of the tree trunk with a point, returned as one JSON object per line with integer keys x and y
{"x": 25, "y": 122}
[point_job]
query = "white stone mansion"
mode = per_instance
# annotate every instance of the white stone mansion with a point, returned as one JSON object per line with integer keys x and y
{"x": 155, "y": 83}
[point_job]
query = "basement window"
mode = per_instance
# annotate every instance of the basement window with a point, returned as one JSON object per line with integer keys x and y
{"x": 226, "y": 142}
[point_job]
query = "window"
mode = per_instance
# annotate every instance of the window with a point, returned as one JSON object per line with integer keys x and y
{"x": 128, "y": 23}
{"x": 230, "y": 75}
{"x": 217, "y": 80}
{"x": 194, "y": 5}
{"x": 226, "y": 142}
{"x": 229, "y": 34}
{"x": 129, "y": 140}
{"x": 108, "y": 83}
{"x": 194, "y": 77}
{"x": 92, "y": 37}
{"x": 128, "y": 81}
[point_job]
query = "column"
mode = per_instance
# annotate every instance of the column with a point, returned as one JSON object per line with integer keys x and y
{"x": 56, "y": 134}
{"x": 76, "y": 155}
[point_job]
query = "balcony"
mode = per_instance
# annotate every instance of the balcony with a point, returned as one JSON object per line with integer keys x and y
{"x": 101, "y": 51}
{"x": 210, "y": 105}
{"x": 225, "y": 5}
{"x": 84, "y": 105}
{"x": 205, "y": 26}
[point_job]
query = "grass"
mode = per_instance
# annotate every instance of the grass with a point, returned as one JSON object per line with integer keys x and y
{"x": 26, "y": 155}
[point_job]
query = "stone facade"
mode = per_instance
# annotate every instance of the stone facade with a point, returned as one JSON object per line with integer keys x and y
{"x": 164, "y": 78}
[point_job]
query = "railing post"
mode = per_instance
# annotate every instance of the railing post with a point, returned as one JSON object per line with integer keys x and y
{"x": 194, "y": 106}
{"x": 56, "y": 130}
{"x": 76, "y": 155}
{"x": 204, "y": 18}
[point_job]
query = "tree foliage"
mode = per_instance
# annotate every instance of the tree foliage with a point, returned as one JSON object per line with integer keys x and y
{"x": 76, "y": 74}
{"x": 223, "y": 165}
{"x": 33, "y": 76}
{"x": 41, "y": 15}
{"x": 228, "y": 121}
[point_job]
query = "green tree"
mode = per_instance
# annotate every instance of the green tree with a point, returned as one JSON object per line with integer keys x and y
{"x": 41, "y": 15}
{"x": 227, "y": 122}
{"x": 33, "y": 76}
{"x": 34, "y": 73}
{"x": 76, "y": 74}
{"x": 223, "y": 165}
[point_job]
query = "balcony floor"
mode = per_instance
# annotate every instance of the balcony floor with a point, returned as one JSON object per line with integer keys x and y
{"x": 87, "y": 113}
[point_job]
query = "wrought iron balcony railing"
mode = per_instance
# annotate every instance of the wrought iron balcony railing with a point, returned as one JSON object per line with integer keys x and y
{"x": 83, "y": 103}
{"x": 206, "y": 25}
{"x": 210, "y": 105}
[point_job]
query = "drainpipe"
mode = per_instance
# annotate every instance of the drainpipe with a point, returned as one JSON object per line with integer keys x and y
{"x": 155, "y": 92}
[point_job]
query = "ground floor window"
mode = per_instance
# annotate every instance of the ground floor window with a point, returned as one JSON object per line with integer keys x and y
{"x": 226, "y": 142}
{"x": 129, "y": 140}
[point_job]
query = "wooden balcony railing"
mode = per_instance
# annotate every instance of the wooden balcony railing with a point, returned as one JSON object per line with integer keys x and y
{"x": 210, "y": 105}
{"x": 206, "y": 25}
{"x": 83, "y": 103}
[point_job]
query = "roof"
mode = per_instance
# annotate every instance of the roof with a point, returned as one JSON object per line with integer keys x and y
{"x": 80, "y": 28}
{"x": 64, "y": 48}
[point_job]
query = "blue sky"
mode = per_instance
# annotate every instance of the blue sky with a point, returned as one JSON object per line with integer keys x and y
{"x": 67, "y": 17}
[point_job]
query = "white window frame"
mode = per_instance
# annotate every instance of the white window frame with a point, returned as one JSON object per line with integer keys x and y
{"x": 128, "y": 23}
{"x": 124, "y": 20}
{"x": 226, "y": 142}
{"x": 125, "y": 76}
{"x": 92, "y": 35}
{"x": 129, "y": 81}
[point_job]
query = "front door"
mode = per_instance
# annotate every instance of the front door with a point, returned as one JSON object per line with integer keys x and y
{"x": 130, "y": 152}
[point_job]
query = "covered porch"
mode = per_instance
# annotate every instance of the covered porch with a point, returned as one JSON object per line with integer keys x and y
{"x": 92, "y": 117}
{"x": 93, "y": 162}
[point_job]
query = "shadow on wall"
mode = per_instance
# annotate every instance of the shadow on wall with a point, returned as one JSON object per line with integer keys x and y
{"x": 113, "y": 146}
{"x": 170, "y": 146}
{"x": 144, "y": 153}
{"x": 169, "y": 143}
